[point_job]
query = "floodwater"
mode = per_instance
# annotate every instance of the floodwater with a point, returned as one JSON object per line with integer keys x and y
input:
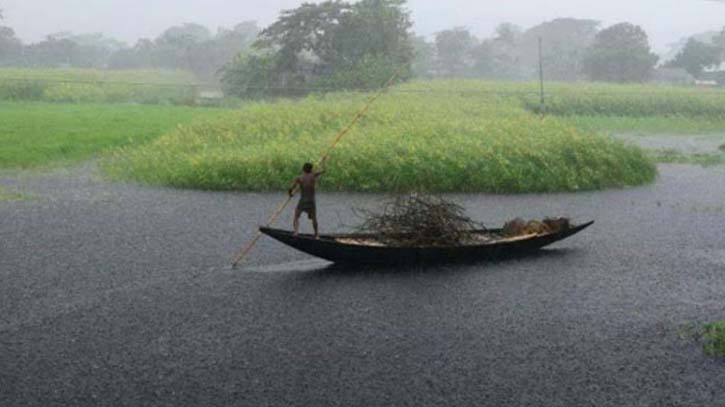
{"x": 122, "y": 294}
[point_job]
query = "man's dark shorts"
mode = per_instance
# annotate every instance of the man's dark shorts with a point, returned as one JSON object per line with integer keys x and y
{"x": 307, "y": 207}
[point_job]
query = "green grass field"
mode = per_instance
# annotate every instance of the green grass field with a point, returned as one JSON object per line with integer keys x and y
{"x": 597, "y": 99}
{"x": 96, "y": 86}
{"x": 628, "y": 108}
{"x": 646, "y": 125}
{"x": 422, "y": 136}
{"x": 457, "y": 135}
{"x": 40, "y": 134}
{"x": 676, "y": 157}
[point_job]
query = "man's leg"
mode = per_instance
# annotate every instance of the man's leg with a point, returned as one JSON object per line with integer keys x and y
{"x": 296, "y": 222}
{"x": 313, "y": 218}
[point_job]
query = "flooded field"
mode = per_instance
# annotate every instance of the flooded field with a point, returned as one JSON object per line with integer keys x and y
{"x": 109, "y": 285}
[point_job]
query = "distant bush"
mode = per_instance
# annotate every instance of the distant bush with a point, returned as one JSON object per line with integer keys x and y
{"x": 74, "y": 92}
{"x": 21, "y": 90}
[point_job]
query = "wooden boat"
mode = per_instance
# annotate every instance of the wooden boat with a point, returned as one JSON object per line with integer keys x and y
{"x": 366, "y": 249}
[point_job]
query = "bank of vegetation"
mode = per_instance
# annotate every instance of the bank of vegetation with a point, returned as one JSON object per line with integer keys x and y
{"x": 631, "y": 101}
{"x": 714, "y": 335}
{"x": 98, "y": 86}
{"x": 429, "y": 136}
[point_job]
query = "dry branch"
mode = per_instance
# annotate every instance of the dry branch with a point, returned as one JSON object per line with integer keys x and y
{"x": 419, "y": 220}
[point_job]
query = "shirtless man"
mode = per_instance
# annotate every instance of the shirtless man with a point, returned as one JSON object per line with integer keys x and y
{"x": 306, "y": 182}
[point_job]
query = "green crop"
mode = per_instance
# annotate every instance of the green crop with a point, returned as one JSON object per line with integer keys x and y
{"x": 714, "y": 335}
{"x": 429, "y": 136}
{"x": 630, "y": 101}
{"x": 42, "y": 134}
{"x": 96, "y": 86}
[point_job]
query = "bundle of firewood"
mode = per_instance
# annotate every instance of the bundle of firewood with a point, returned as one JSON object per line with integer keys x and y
{"x": 419, "y": 220}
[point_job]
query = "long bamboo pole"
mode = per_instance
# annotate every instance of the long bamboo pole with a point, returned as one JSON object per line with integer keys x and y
{"x": 244, "y": 252}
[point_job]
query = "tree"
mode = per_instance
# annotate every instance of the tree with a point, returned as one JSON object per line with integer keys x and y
{"x": 453, "y": 51}
{"x": 52, "y": 52}
{"x": 500, "y": 57}
{"x": 141, "y": 55}
{"x": 208, "y": 57}
{"x": 458, "y": 53}
{"x": 188, "y": 47}
{"x": 372, "y": 43}
{"x": 250, "y": 75}
{"x": 424, "y": 60}
{"x": 695, "y": 57}
{"x": 10, "y": 46}
{"x": 331, "y": 44}
{"x": 90, "y": 50}
{"x": 303, "y": 32}
{"x": 508, "y": 34}
{"x": 184, "y": 35}
{"x": 175, "y": 47}
{"x": 620, "y": 53}
{"x": 230, "y": 42}
{"x": 719, "y": 43}
{"x": 565, "y": 42}
{"x": 486, "y": 61}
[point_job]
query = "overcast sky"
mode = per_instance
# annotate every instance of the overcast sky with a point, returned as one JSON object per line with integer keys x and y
{"x": 666, "y": 21}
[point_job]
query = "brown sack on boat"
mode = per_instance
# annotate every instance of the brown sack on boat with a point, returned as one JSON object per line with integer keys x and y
{"x": 557, "y": 224}
{"x": 519, "y": 227}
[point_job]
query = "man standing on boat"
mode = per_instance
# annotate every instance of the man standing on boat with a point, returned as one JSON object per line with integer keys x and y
{"x": 307, "y": 204}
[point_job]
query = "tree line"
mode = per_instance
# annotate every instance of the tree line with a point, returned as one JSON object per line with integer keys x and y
{"x": 190, "y": 47}
{"x": 341, "y": 45}
{"x": 573, "y": 49}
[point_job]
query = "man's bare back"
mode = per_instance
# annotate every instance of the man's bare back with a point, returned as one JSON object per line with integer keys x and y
{"x": 307, "y": 204}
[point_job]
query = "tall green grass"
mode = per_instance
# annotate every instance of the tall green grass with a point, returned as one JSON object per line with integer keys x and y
{"x": 714, "y": 335}
{"x": 97, "y": 86}
{"x": 42, "y": 134}
{"x": 634, "y": 108}
{"x": 672, "y": 125}
{"x": 631, "y": 101}
{"x": 609, "y": 107}
{"x": 440, "y": 136}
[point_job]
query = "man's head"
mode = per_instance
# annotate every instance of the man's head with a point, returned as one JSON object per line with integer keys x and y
{"x": 307, "y": 168}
